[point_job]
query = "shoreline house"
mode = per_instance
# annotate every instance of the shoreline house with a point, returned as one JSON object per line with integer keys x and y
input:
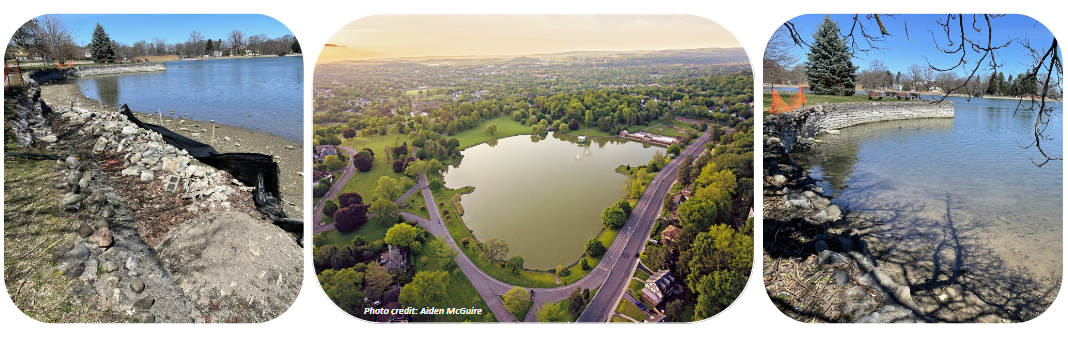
{"x": 660, "y": 286}
{"x": 649, "y": 138}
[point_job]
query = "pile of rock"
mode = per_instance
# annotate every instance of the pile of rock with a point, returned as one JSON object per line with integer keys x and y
{"x": 110, "y": 256}
{"x": 874, "y": 297}
{"x": 148, "y": 157}
{"x": 28, "y": 124}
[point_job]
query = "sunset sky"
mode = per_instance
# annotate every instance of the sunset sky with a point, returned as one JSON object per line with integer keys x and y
{"x": 381, "y": 36}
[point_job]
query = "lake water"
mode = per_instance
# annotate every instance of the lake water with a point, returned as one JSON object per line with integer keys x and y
{"x": 271, "y": 89}
{"x": 956, "y": 197}
{"x": 544, "y": 198}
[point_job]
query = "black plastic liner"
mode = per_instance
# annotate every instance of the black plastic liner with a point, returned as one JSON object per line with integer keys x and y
{"x": 252, "y": 169}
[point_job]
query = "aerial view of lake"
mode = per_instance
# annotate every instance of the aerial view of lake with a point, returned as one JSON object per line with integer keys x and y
{"x": 545, "y": 198}
{"x": 958, "y": 200}
{"x": 270, "y": 89}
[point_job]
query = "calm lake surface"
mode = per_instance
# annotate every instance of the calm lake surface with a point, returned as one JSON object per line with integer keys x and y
{"x": 271, "y": 89}
{"x": 958, "y": 197}
{"x": 544, "y": 198}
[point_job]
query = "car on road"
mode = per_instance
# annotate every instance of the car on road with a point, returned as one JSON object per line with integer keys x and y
{"x": 637, "y": 254}
{"x": 640, "y": 305}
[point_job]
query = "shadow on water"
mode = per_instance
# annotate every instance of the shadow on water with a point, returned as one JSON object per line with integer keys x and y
{"x": 954, "y": 272}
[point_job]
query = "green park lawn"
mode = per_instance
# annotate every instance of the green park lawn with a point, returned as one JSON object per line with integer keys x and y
{"x": 459, "y": 292}
{"x": 458, "y": 230}
{"x": 371, "y": 231}
{"x": 631, "y": 310}
{"x": 813, "y": 99}
{"x": 505, "y": 127}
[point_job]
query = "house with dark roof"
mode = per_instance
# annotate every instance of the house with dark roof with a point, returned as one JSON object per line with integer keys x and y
{"x": 394, "y": 258}
{"x": 660, "y": 286}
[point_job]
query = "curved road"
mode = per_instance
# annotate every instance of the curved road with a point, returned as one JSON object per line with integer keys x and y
{"x": 318, "y": 213}
{"x": 612, "y": 274}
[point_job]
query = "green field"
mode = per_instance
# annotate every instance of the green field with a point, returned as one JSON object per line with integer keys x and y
{"x": 505, "y": 127}
{"x": 365, "y": 183}
{"x": 372, "y": 231}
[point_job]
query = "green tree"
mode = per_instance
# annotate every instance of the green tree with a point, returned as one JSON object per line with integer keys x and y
{"x": 401, "y": 234}
{"x": 295, "y": 47}
{"x": 623, "y": 205}
{"x": 515, "y": 263}
{"x": 517, "y": 299}
{"x": 674, "y": 311}
{"x": 613, "y": 217}
{"x": 100, "y": 48}
{"x": 716, "y": 292}
{"x": 426, "y": 288}
{"x": 343, "y": 287}
{"x": 388, "y": 188}
{"x": 585, "y": 265}
{"x": 384, "y": 210}
{"x": 698, "y": 212}
{"x": 209, "y": 47}
{"x": 595, "y": 248}
{"x": 491, "y": 129}
{"x": 435, "y": 184}
{"x": 830, "y": 69}
{"x": 575, "y": 302}
{"x": 375, "y": 280}
{"x": 329, "y": 207}
{"x": 553, "y": 312}
{"x": 495, "y": 250}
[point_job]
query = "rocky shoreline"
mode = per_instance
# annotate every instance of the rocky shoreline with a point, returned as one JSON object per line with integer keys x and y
{"x": 127, "y": 193}
{"x": 831, "y": 274}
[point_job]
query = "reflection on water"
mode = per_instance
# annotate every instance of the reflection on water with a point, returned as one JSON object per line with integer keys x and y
{"x": 960, "y": 206}
{"x": 271, "y": 90}
{"x": 543, "y": 197}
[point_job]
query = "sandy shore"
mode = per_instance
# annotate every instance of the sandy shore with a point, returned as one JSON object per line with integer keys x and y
{"x": 288, "y": 154}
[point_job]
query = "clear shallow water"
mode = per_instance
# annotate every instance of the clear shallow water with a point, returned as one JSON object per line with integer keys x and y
{"x": 544, "y": 198}
{"x": 271, "y": 89}
{"x": 955, "y": 191}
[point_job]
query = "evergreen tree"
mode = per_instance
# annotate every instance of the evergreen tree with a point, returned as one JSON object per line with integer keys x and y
{"x": 830, "y": 69}
{"x": 296, "y": 46}
{"x": 209, "y": 48}
{"x": 992, "y": 87}
{"x": 1002, "y": 85}
{"x": 101, "y": 49}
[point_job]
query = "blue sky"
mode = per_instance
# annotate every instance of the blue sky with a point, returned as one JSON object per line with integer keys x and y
{"x": 899, "y": 51}
{"x": 175, "y": 28}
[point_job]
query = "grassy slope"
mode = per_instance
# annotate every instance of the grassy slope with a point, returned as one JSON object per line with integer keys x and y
{"x": 631, "y": 310}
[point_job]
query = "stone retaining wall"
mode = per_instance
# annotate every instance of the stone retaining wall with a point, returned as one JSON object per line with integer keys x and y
{"x": 44, "y": 76}
{"x": 800, "y": 125}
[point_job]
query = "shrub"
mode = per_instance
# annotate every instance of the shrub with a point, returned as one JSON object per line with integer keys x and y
{"x": 362, "y": 163}
{"x": 595, "y": 248}
{"x": 349, "y": 198}
{"x": 585, "y": 265}
{"x": 350, "y": 218}
{"x": 329, "y": 208}
{"x": 465, "y": 241}
{"x": 562, "y": 271}
{"x": 398, "y": 166}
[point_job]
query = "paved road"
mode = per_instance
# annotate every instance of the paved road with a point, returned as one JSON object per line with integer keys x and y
{"x": 609, "y": 273}
{"x": 318, "y": 213}
{"x": 633, "y": 237}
